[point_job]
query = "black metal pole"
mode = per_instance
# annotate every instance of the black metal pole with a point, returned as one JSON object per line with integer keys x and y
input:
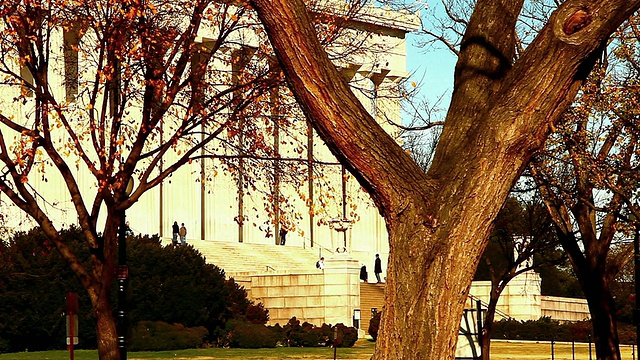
{"x": 122, "y": 274}
{"x": 480, "y": 325}
{"x": 636, "y": 276}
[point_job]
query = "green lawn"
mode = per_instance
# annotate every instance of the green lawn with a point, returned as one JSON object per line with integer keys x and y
{"x": 500, "y": 350}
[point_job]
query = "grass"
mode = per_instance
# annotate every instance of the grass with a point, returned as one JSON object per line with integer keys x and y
{"x": 500, "y": 350}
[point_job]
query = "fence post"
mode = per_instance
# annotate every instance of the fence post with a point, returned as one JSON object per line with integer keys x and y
{"x": 590, "y": 358}
{"x": 573, "y": 349}
{"x": 553, "y": 354}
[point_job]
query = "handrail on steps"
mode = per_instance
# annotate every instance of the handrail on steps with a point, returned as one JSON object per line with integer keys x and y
{"x": 502, "y": 314}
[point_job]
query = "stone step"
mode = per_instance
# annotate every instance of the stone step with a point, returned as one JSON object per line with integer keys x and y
{"x": 242, "y": 258}
{"x": 371, "y": 296}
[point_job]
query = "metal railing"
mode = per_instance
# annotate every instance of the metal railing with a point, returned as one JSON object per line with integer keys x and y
{"x": 269, "y": 267}
{"x": 502, "y": 314}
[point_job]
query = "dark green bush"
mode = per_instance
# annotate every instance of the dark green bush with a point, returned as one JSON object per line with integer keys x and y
{"x": 172, "y": 284}
{"x": 347, "y": 335}
{"x": 626, "y": 333}
{"x": 278, "y": 332}
{"x": 242, "y": 334}
{"x": 158, "y": 336}
{"x": 257, "y": 314}
{"x": 309, "y": 335}
{"x": 34, "y": 280}
{"x": 374, "y": 325}
{"x": 546, "y": 329}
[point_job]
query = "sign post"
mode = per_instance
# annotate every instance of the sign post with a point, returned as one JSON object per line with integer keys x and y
{"x": 72, "y": 322}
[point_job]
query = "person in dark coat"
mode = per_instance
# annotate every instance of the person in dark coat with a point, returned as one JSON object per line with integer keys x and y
{"x": 283, "y": 235}
{"x": 175, "y": 229}
{"x": 377, "y": 269}
{"x": 363, "y": 274}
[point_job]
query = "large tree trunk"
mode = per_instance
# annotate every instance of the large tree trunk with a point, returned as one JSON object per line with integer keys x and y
{"x": 106, "y": 329}
{"x": 604, "y": 325}
{"x": 500, "y": 114}
{"x": 602, "y": 310}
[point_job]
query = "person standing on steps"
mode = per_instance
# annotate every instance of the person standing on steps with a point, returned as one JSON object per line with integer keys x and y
{"x": 320, "y": 264}
{"x": 363, "y": 274}
{"x": 183, "y": 234}
{"x": 283, "y": 235}
{"x": 175, "y": 229}
{"x": 377, "y": 269}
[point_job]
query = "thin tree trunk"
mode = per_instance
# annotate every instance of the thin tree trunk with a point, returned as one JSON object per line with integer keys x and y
{"x": 490, "y": 316}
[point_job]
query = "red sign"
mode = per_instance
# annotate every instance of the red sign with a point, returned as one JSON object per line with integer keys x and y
{"x": 72, "y": 303}
{"x": 122, "y": 272}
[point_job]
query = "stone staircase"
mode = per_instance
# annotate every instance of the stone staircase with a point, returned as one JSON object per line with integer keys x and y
{"x": 242, "y": 259}
{"x": 371, "y": 296}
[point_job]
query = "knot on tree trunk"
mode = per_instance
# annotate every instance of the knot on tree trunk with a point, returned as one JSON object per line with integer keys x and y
{"x": 576, "y": 22}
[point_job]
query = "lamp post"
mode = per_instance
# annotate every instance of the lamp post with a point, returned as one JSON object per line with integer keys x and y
{"x": 341, "y": 226}
{"x": 123, "y": 275}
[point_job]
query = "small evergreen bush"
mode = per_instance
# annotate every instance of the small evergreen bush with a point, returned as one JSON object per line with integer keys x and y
{"x": 158, "y": 336}
{"x": 374, "y": 325}
{"x": 309, "y": 335}
{"x": 347, "y": 335}
{"x": 247, "y": 335}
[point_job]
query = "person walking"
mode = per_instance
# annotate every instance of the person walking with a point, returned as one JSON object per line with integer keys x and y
{"x": 377, "y": 269}
{"x": 175, "y": 230}
{"x": 183, "y": 234}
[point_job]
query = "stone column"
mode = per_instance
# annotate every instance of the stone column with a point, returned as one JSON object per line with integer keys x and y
{"x": 341, "y": 289}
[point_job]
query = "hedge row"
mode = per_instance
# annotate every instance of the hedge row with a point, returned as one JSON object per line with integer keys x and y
{"x": 293, "y": 334}
{"x": 157, "y": 335}
{"x": 546, "y": 329}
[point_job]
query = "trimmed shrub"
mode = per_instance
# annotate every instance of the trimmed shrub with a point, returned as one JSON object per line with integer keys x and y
{"x": 374, "y": 325}
{"x": 158, "y": 335}
{"x": 242, "y": 334}
{"x": 347, "y": 336}
{"x": 309, "y": 335}
{"x": 544, "y": 329}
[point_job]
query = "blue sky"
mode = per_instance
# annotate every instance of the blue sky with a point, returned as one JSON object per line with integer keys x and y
{"x": 431, "y": 67}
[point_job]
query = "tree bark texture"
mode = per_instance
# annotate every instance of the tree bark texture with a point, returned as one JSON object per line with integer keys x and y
{"x": 106, "y": 328}
{"x": 501, "y": 113}
{"x": 602, "y": 309}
